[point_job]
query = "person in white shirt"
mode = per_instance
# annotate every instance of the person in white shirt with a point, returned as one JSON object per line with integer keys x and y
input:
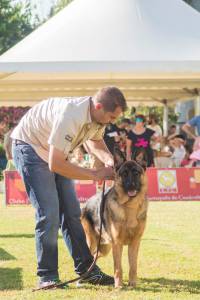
{"x": 177, "y": 143}
{"x": 42, "y": 143}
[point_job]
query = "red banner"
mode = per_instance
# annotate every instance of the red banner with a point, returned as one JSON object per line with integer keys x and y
{"x": 173, "y": 184}
{"x": 15, "y": 192}
{"x": 85, "y": 189}
{"x": 163, "y": 185}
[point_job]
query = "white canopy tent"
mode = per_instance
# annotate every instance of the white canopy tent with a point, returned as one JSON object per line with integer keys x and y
{"x": 149, "y": 49}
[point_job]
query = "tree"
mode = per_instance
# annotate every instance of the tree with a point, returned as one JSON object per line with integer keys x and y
{"x": 59, "y": 5}
{"x": 194, "y": 3}
{"x": 15, "y": 23}
{"x": 188, "y": 1}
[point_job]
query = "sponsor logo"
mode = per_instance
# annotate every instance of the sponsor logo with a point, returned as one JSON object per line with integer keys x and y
{"x": 167, "y": 181}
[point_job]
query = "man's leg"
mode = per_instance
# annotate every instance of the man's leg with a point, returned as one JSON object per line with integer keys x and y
{"x": 71, "y": 226}
{"x": 74, "y": 234}
{"x": 42, "y": 192}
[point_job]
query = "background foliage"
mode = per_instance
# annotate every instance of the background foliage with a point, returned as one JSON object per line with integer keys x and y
{"x": 15, "y": 22}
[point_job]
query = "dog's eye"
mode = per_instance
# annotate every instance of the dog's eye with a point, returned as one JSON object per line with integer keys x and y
{"x": 125, "y": 173}
{"x": 136, "y": 173}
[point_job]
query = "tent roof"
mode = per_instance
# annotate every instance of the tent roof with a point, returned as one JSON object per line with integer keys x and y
{"x": 112, "y": 41}
{"x": 90, "y": 35}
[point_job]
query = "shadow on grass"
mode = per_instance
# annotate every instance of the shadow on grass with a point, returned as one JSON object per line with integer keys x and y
{"x": 171, "y": 285}
{"x": 20, "y": 235}
{"x": 5, "y": 255}
{"x": 17, "y": 235}
{"x": 11, "y": 279}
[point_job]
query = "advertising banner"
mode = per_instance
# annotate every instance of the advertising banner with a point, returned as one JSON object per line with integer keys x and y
{"x": 174, "y": 184}
{"x": 85, "y": 189}
{"x": 15, "y": 192}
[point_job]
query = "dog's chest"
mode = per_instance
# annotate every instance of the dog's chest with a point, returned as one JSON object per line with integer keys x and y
{"x": 122, "y": 221}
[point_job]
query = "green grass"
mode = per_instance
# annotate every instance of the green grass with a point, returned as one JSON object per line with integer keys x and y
{"x": 169, "y": 260}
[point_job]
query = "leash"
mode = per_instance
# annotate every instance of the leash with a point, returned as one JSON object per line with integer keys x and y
{"x": 84, "y": 275}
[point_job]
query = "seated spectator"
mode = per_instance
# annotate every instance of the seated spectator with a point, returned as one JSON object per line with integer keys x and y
{"x": 187, "y": 162}
{"x": 177, "y": 143}
{"x": 195, "y": 155}
{"x": 163, "y": 157}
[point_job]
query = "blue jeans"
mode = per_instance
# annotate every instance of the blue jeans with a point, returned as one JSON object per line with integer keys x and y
{"x": 56, "y": 206}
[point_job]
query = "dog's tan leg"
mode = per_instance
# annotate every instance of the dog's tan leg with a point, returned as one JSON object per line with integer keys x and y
{"x": 90, "y": 236}
{"x": 117, "y": 257}
{"x": 133, "y": 257}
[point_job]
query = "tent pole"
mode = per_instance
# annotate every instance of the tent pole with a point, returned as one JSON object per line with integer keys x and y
{"x": 165, "y": 118}
{"x": 197, "y": 105}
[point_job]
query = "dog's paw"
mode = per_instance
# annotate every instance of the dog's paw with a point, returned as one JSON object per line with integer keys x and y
{"x": 119, "y": 287}
{"x": 132, "y": 284}
{"x": 118, "y": 283}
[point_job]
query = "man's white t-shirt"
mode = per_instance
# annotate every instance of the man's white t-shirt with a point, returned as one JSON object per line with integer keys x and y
{"x": 62, "y": 122}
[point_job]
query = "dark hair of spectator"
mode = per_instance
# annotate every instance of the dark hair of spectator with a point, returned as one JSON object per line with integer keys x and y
{"x": 153, "y": 117}
{"x": 142, "y": 117}
{"x": 126, "y": 120}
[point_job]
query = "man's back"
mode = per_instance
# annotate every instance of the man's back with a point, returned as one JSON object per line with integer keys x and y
{"x": 37, "y": 124}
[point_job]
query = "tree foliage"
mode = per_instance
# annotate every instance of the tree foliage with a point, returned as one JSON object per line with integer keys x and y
{"x": 59, "y": 5}
{"x": 15, "y": 22}
{"x": 188, "y": 1}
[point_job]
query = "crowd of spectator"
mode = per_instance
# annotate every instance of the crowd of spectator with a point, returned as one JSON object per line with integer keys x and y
{"x": 180, "y": 148}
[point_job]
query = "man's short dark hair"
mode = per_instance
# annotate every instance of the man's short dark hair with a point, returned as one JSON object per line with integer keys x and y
{"x": 111, "y": 97}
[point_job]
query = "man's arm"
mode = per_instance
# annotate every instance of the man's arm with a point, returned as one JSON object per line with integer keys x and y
{"x": 100, "y": 150}
{"x": 59, "y": 164}
{"x": 187, "y": 128}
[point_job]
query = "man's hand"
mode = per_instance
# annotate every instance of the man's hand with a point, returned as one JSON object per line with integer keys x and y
{"x": 109, "y": 163}
{"x": 105, "y": 174}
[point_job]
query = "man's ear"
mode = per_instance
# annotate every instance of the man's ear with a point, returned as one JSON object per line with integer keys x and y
{"x": 119, "y": 158}
{"x": 98, "y": 106}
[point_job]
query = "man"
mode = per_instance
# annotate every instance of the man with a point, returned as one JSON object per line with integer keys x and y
{"x": 43, "y": 141}
{"x": 192, "y": 123}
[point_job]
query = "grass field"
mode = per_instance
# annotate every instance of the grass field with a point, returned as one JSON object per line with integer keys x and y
{"x": 169, "y": 261}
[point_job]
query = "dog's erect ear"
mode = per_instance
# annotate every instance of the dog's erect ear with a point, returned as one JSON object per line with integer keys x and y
{"x": 119, "y": 158}
{"x": 140, "y": 156}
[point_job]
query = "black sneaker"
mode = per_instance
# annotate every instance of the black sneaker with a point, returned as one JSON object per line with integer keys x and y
{"x": 97, "y": 277}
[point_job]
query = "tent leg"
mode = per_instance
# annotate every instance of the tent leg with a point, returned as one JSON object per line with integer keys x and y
{"x": 197, "y": 106}
{"x": 165, "y": 118}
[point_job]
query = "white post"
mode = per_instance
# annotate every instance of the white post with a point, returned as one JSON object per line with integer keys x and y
{"x": 197, "y": 105}
{"x": 165, "y": 118}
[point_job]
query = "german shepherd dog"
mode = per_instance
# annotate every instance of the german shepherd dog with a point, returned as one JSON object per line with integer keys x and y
{"x": 124, "y": 215}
